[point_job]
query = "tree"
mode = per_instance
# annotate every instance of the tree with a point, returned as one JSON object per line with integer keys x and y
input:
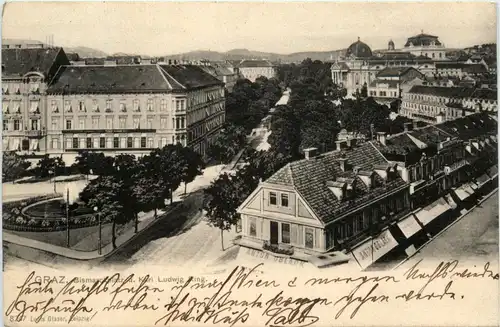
{"x": 111, "y": 196}
{"x": 192, "y": 165}
{"x": 13, "y": 166}
{"x": 220, "y": 203}
{"x": 93, "y": 162}
{"x": 49, "y": 166}
{"x": 125, "y": 169}
{"x": 286, "y": 137}
{"x": 227, "y": 143}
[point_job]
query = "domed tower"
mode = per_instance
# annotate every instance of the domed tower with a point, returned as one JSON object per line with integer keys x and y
{"x": 390, "y": 45}
{"x": 359, "y": 50}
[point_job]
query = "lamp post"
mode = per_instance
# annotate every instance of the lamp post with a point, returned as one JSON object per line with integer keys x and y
{"x": 99, "y": 242}
{"x": 67, "y": 217}
{"x": 53, "y": 174}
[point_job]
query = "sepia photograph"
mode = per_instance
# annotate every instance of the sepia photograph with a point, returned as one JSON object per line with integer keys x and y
{"x": 168, "y": 146}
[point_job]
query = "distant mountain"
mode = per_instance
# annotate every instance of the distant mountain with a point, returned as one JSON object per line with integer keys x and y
{"x": 240, "y": 54}
{"x": 84, "y": 52}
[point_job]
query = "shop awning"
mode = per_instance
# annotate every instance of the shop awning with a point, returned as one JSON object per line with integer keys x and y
{"x": 493, "y": 171}
{"x": 464, "y": 191}
{"x": 450, "y": 201}
{"x": 373, "y": 249}
{"x": 483, "y": 179}
{"x": 432, "y": 211}
{"x": 409, "y": 226}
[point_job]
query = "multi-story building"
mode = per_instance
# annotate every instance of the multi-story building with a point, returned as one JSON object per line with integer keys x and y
{"x": 460, "y": 69}
{"x": 132, "y": 109}
{"x": 360, "y": 67}
{"x": 425, "y": 45}
{"x": 226, "y": 73}
{"x": 26, "y": 73}
{"x": 325, "y": 203}
{"x": 372, "y": 199}
{"x": 434, "y": 104}
{"x": 22, "y": 44}
{"x": 388, "y": 85}
{"x": 253, "y": 69}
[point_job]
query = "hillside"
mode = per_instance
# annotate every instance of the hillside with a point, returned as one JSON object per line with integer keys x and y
{"x": 239, "y": 54}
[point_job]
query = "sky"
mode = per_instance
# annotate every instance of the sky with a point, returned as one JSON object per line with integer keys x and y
{"x": 162, "y": 28}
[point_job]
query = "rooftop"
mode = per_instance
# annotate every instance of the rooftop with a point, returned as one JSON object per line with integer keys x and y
{"x": 447, "y": 92}
{"x": 129, "y": 78}
{"x": 254, "y": 63}
{"x": 18, "y": 62}
{"x": 422, "y": 39}
{"x": 309, "y": 177}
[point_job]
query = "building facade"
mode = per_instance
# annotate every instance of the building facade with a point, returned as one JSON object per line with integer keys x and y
{"x": 389, "y": 82}
{"x": 132, "y": 109}
{"x": 373, "y": 199}
{"x": 434, "y": 104}
{"x": 360, "y": 66}
{"x": 253, "y": 69}
{"x": 26, "y": 74}
{"x": 425, "y": 45}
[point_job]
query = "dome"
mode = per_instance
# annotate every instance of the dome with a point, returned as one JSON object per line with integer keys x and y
{"x": 359, "y": 50}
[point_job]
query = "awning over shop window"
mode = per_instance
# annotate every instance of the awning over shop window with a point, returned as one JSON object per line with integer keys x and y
{"x": 432, "y": 211}
{"x": 373, "y": 249}
{"x": 5, "y": 143}
{"x": 409, "y": 226}
{"x": 450, "y": 201}
{"x": 464, "y": 191}
{"x": 493, "y": 171}
{"x": 481, "y": 180}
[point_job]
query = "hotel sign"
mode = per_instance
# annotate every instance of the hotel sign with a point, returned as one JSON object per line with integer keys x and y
{"x": 374, "y": 249}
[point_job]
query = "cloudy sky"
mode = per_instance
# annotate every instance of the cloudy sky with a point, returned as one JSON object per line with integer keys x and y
{"x": 158, "y": 28}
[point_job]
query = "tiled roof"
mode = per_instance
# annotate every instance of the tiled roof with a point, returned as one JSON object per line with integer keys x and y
{"x": 129, "y": 78}
{"x": 18, "y": 62}
{"x": 189, "y": 76}
{"x": 392, "y": 84}
{"x": 475, "y": 69}
{"x": 487, "y": 94}
{"x": 393, "y": 71}
{"x": 451, "y": 65}
{"x": 400, "y": 144}
{"x": 448, "y": 92}
{"x": 430, "y": 134}
{"x": 254, "y": 63}
{"x": 471, "y": 126}
{"x": 422, "y": 39}
{"x": 309, "y": 177}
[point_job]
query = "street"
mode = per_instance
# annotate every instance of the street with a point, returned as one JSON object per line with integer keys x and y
{"x": 474, "y": 238}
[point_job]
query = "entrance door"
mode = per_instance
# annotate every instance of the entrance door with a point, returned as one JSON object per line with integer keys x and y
{"x": 274, "y": 232}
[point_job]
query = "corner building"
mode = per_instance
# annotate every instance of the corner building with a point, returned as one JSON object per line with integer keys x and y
{"x": 132, "y": 109}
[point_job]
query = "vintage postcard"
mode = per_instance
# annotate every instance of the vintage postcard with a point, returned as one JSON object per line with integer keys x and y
{"x": 250, "y": 164}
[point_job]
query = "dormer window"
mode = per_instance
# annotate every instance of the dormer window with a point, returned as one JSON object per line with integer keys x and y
{"x": 337, "y": 188}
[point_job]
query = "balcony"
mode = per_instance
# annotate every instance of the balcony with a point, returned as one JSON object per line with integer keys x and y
{"x": 35, "y": 133}
{"x": 455, "y": 166}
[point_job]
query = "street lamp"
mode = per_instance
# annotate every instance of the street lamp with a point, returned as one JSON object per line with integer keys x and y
{"x": 53, "y": 174}
{"x": 100, "y": 230}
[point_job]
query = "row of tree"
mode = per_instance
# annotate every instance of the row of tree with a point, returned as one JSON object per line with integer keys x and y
{"x": 224, "y": 195}
{"x": 134, "y": 185}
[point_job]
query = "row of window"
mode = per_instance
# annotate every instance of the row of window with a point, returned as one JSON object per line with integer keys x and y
{"x": 287, "y": 236}
{"x": 16, "y": 88}
{"x": 201, "y": 113}
{"x": 14, "y": 107}
{"x": 114, "y": 142}
{"x": 177, "y": 123}
{"x": 123, "y": 106}
{"x": 278, "y": 199}
{"x": 384, "y": 93}
{"x": 198, "y": 97}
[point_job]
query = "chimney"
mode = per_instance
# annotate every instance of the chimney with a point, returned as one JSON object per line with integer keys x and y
{"x": 408, "y": 127}
{"x": 169, "y": 61}
{"x": 338, "y": 145}
{"x": 351, "y": 142}
{"x": 381, "y": 137}
{"x": 310, "y": 153}
{"x": 344, "y": 165}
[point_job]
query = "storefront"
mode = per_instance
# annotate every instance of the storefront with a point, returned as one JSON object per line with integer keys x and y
{"x": 374, "y": 249}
